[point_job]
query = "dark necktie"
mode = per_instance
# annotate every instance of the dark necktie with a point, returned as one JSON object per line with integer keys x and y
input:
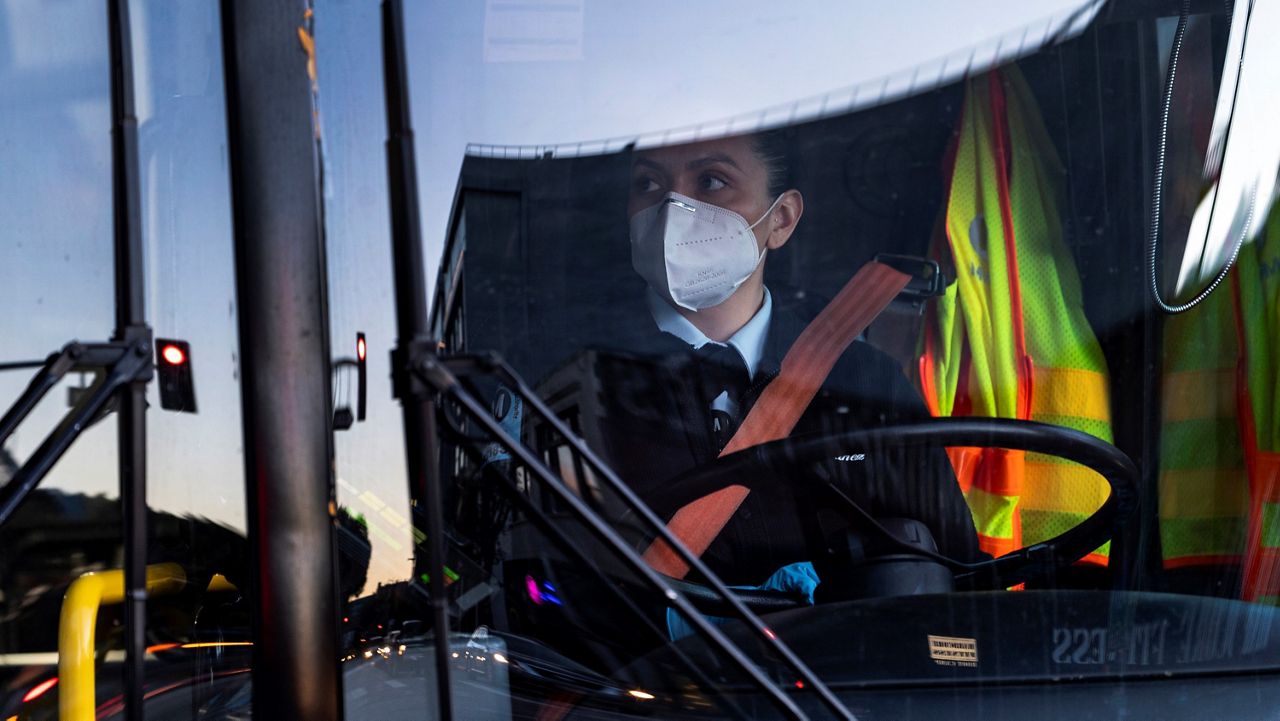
{"x": 722, "y": 370}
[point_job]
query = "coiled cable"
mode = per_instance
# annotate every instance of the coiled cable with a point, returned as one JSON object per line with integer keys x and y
{"x": 1153, "y": 246}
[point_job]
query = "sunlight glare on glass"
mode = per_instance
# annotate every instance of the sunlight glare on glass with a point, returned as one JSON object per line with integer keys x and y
{"x": 1244, "y": 149}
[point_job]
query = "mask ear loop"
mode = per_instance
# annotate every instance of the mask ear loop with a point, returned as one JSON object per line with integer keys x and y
{"x": 765, "y": 249}
{"x": 772, "y": 207}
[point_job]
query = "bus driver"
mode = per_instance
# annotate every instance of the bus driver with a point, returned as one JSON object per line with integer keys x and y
{"x": 704, "y": 218}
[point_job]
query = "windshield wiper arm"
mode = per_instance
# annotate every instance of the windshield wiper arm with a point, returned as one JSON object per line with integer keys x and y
{"x": 432, "y": 370}
{"x": 616, "y": 484}
{"x": 567, "y": 546}
{"x": 440, "y": 378}
{"x": 120, "y": 363}
{"x": 21, "y": 365}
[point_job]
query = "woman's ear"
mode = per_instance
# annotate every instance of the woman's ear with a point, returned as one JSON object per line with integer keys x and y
{"x": 782, "y": 222}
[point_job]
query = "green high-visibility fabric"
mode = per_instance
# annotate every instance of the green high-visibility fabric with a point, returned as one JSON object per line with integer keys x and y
{"x": 1259, "y": 284}
{"x": 950, "y": 345}
{"x": 1259, "y": 275}
{"x": 975, "y": 319}
{"x": 1053, "y": 523}
{"x": 1199, "y": 438}
{"x": 1271, "y": 525}
{"x": 983, "y": 325}
{"x": 1058, "y": 334}
{"x": 992, "y": 513}
{"x": 1189, "y": 538}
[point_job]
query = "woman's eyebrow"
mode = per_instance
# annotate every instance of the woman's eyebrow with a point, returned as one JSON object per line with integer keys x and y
{"x": 648, "y": 163}
{"x": 712, "y": 159}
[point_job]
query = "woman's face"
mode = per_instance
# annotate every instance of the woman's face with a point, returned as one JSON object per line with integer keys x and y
{"x": 725, "y": 172}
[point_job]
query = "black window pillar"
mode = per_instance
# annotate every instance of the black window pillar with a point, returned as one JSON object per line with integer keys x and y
{"x": 284, "y": 353}
{"x": 131, "y": 329}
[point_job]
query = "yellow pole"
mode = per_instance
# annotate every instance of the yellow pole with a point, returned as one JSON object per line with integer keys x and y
{"x": 78, "y": 623}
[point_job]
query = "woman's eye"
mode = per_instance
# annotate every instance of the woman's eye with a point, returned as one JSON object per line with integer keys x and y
{"x": 711, "y": 182}
{"x": 645, "y": 184}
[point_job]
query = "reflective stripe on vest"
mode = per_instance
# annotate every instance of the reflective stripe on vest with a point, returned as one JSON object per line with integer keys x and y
{"x": 1004, "y": 238}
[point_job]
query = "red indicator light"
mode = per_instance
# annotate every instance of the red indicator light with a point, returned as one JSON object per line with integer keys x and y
{"x": 362, "y": 379}
{"x": 173, "y": 355}
{"x": 40, "y": 690}
{"x": 345, "y": 619}
{"x": 174, "y": 375}
{"x": 799, "y": 684}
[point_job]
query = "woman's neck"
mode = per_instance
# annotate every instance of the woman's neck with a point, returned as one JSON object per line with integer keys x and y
{"x": 720, "y": 322}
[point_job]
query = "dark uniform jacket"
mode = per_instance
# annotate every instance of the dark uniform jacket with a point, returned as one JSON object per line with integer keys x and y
{"x": 656, "y": 426}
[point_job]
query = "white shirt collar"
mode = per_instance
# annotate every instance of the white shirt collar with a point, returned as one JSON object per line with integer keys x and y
{"x": 748, "y": 341}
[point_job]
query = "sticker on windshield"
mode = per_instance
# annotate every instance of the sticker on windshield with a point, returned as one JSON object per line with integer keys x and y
{"x": 952, "y": 651}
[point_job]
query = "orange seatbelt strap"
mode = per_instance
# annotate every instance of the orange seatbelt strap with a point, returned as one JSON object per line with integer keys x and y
{"x": 775, "y": 414}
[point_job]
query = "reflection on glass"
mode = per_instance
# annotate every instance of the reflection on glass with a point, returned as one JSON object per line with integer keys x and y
{"x": 369, "y": 455}
{"x": 587, "y": 267}
{"x": 1234, "y": 190}
{"x": 387, "y": 638}
{"x": 56, "y": 285}
{"x": 190, "y": 281}
{"x": 195, "y": 474}
{"x": 650, "y": 290}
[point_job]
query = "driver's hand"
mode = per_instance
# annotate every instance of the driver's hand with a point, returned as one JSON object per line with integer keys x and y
{"x": 798, "y": 578}
{"x": 794, "y": 578}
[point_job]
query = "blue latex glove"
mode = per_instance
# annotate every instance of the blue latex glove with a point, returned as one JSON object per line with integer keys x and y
{"x": 794, "y": 578}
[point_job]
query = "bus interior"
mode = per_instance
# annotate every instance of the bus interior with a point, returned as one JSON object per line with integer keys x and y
{"x": 485, "y": 483}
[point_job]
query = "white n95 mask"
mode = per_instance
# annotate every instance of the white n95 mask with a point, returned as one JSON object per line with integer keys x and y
{"x": 692, "y": 253}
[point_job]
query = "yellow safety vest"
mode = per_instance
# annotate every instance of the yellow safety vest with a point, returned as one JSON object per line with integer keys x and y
{"x": 1258, "y": 310}
{"x": 1220, "y": 438}
{"x": 1010, "y": 339}
{"x": 1203, "y": 490}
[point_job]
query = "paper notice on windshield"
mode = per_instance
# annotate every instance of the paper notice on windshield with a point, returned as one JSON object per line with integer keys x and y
{"x": 952, "y": 651}
{"x": 522, "y": 31}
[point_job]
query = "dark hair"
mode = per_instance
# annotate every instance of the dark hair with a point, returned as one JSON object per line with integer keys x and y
{"x": 773, "y": 148}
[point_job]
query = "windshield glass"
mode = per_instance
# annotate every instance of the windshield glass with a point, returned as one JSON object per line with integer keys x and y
{"x": 58, "y": 287}
{"x": 644, "y": 223}
{"x": 943, "y": 335}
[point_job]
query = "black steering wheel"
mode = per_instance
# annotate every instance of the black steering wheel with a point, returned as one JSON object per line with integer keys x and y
{"x": 785, "y": 459}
